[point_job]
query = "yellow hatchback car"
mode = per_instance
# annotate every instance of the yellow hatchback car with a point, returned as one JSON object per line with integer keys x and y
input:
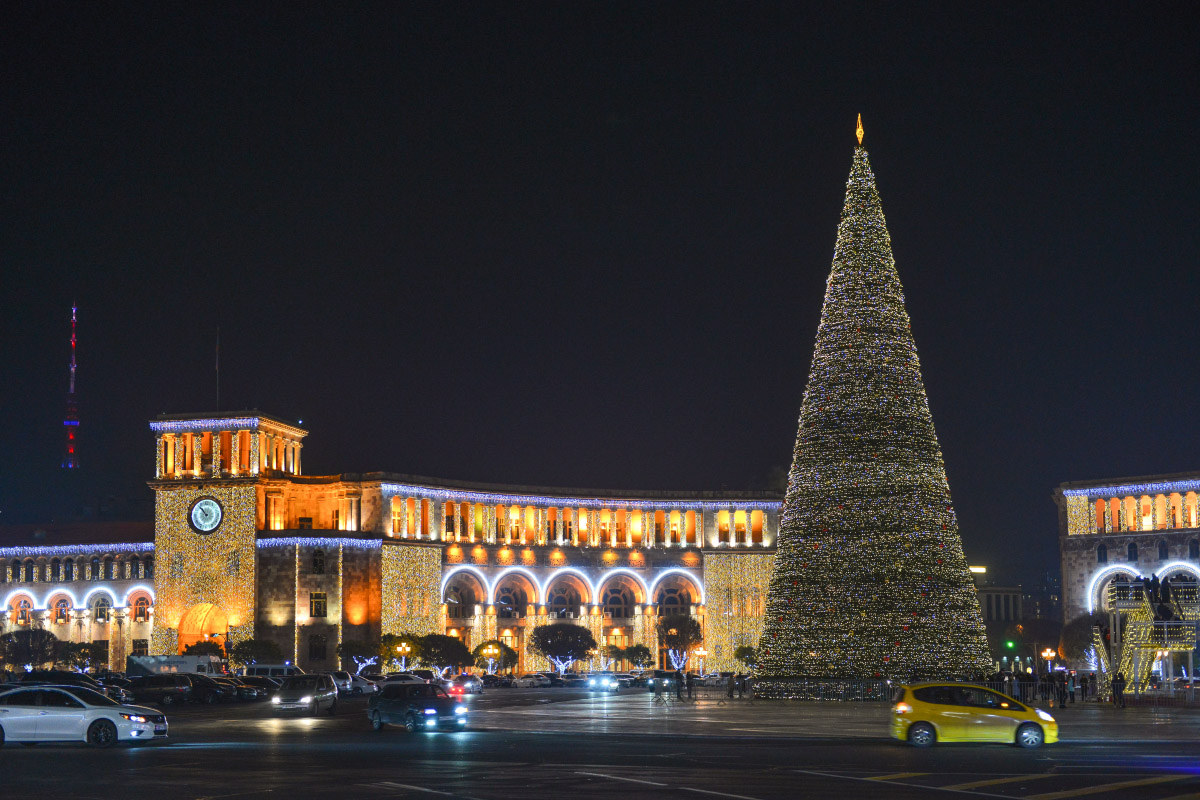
{"x": 925, "y": 713}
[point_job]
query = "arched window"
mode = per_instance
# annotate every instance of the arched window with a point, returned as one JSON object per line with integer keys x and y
{"x": 563, "y": 600}
{"x": 1101, "y": 554}
{"x": 24, "y": 612}
{"x": 16, "y": 571}
{"x": 149, "y": 565}
{"x": 318, "y": 563}
{"x": 511, "y": 601}
{"x": 1132, "y": 552}
{"x": 62, "y": 611}
{"x": 141, "y": 610}
{"x": 69, "y": 570}
{"x": 101, "y": 610}
{"x": 95, "y": 569}
{"x": 135, "y": 565}
{"x": 110, "y": 568}
{"x": 1163, "y": 554}
{"x": 54, "y": 567}
{"x": 618, "y": 601}
{"x": 27, "y": 571}
{"x": 1194, "y": 549}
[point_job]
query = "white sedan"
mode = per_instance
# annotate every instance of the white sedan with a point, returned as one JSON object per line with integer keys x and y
{"x": 74, "y": 714}
{"x": 530, "y": 681}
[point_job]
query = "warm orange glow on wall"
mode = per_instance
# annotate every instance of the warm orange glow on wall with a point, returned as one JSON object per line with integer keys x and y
{"x": 356, "y": 613}
{"x": 691, "y": 559}
{"x": 637, "y": 559}
{"x": 528, "y": 557}
{"x": 610, "y": 557}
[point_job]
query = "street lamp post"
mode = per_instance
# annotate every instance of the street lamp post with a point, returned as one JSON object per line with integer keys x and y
{"x": 1048, "y": 654}
{"x": 490, "y": 652}
{"x": 402, "y": 650}
{"x": 700, "y": 654}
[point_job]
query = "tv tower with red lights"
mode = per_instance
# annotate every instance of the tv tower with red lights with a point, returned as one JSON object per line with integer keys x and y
{"x": 71, "y": 423}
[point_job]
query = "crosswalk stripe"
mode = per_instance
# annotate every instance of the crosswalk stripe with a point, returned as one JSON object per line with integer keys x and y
{"x": 1106, "y": 787}
{"x": 897, "y": 776}
{"x": 998, "y": 781}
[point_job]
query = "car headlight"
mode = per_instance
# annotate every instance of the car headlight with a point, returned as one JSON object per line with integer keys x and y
{"x": 306, "y": 699}
{"x": 460, "y": 709}
{"x": 133, "y": 717}
{"x": 592, "y": 682}
{"x": 430, "y": 711}
{"x": 274, "y": 698}
{"x": 1043, "y": 715}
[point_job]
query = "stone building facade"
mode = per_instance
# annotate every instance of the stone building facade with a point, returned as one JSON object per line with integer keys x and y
{"x": 1122, "y": 529}
{"x": 246, "y": 545}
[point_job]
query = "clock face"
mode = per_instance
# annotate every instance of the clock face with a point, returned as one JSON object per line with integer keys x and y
{"x": 205, "y": 515}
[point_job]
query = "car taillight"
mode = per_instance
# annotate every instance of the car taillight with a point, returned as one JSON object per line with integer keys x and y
{"x": 902, "y": 708}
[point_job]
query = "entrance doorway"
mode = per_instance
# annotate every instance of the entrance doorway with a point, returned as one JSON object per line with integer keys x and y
{"x": 200, "y": 622}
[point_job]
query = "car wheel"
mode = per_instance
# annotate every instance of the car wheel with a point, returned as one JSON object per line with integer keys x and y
{"x": 377, "y": 722}
{"x": 102, "y": 733}
{"x": 312, "y": 708}
{"x": 167, "y": 700}
{"x": 1030, "y": 735}
{"x": 333, "y": 708}
{"x": 410, "y": 723}
{"x": 1, "y": 737}
{"x": 921, "y": 734}
{"x": 210, "y": 698}
{"x": 357, "y": 690}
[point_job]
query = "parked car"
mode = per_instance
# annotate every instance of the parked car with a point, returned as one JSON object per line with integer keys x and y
{"x": 494, "y": 681}
{"x": 532, "y": 680}
{"x": 74, "y": 713}
{"x": 273, "y": 670}
{"x": 574, "y": 680}
{"x": 554, "y": 678}
{"x": 361, "y": 685}
{"x": 404, "y": 677}
{"x": 307, "y": 693}
{"x": 427, "y": 675}
{"x": 661, "y": 677}
{"x": 268, "y": 685}
{"x": 165, "y": 689}
{"x": 242, "y": 691}
{"x": 208, "y": 690}
{"x": 624, "y": 679}
{"x": 341, "y": 679}
{"x": 416, "y": 708}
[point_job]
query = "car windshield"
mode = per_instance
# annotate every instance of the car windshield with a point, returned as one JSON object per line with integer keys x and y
{"x": 302, "y": 682}
{"x": 88, "y": 696}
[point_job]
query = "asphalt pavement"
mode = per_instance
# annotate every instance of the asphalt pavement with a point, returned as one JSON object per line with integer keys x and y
{"x": 553, "y": 743}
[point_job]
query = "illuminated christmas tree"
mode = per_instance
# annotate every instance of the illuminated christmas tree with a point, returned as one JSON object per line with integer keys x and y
{"x": 870, "y": 578}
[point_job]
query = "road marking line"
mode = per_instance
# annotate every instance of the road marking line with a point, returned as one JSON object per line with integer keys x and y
{"x": 1192, "y": 796}
{"x": 895, "y": 776}
{"x": 394, "y": 785}
{"x": 997, "y": 781}
{"x": 617, "y": 778}
{"x": 913, "y": 785}
{"x": 1106, "y": 787}
{"x": 718, "y": 794}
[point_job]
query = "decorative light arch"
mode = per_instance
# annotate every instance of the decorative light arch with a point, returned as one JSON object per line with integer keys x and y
{"x": 691, "y": 576}
{"x": 478, "y": 573}
{"x": 14, "y": 594}
{"x": 1178, "y": 566}
{"x": 141, "y": 587}
{"x": 46, "y": 606}
{"x": 1100, "y": 575}
{"x": 87, "y": 598}
{"x": 538, "y": 594}
{"x": 610, "y": 574}
{"x": 591, "y": 587}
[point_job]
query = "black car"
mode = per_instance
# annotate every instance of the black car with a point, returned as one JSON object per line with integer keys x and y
{"x": 62, "y": 677}
{"x": 268, "y": 685}
{"x": 416, "y": 707}
{"x": 165, "y": 689}
{"x": 206, "y": 690}
{"x": 493, "y": 681}
{"x": 554, "y": 678}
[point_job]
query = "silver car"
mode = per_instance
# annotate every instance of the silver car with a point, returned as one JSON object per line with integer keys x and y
{"x": 306, "y": 694}
{"x": 74, "y": 714}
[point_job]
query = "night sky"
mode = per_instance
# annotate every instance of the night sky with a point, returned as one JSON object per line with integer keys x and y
{"x": 585, "y": 244}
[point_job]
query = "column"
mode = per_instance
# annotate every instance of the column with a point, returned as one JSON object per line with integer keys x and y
{"x": 558, "y": 525}
{"x": 235, "y": 452}
{"x": 593, "y": 526}
{"x": 197, "y": 454}
{"x": 255, "y": 453}
{"x": 437, "y": 521}
{"x": 417, "y": 517}
{"x": 299, "y": 447}
{"x": 215, "y": 470}
{"x": 489, "y": 524}
{"x": 158, "y": 457}
{"x": 540, "y": 516}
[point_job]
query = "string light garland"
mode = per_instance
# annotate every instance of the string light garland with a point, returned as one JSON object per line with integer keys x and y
{"x": 735, "y": 585}
{"x": 410, "y": 585}
{"x": 869, "y": 579}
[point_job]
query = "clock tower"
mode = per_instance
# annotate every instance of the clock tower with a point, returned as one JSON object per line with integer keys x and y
{"x": 211, "y": 473}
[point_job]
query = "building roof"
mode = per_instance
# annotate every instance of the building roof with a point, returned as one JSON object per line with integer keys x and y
{"x": 1142, "y": 484}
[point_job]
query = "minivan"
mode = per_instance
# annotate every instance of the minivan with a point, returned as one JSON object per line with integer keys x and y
{"x": 273, "y": 670}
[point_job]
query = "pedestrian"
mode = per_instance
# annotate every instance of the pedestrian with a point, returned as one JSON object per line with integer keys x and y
{"x": 1071, "y": 687}
{"x": 678, "y": 685}
{"x": 732, "y": 683}
{"x": 690, "y": 680}
{"x": 741, "y": 684}
{"x": 658, "y": 689}
{"x": 1154, "y": 591}
{"x": 750, "y": 686}
{"x": 1118, "y": 689}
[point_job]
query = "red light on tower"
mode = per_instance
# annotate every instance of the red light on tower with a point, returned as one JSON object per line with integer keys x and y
{"x": 72, "y": 419}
